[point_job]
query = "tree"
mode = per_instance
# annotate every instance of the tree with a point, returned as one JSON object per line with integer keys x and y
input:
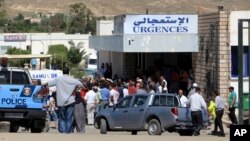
{"x": 18, "y": 62}
{"x": 3, "y": 16}
{"x": 19, "y": 17}
{"x": 82, "y": 20}
{"x": 75, "y": 55}
{"x": 59, "y": 53}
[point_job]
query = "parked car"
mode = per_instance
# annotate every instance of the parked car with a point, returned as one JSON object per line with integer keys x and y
{"x": 154, "y": 113}
{"x": 22, "y": 99}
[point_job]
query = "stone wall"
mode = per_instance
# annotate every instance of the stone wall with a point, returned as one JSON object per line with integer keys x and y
{"x": 212, "y": 63}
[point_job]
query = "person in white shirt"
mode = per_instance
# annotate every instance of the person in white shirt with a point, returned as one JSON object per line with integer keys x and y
{"x": 164, "y": 84}
{"x": 197, "y": 103}
{"x": 183, "y": 98}
{"x": 125, "y": 90}
{"x": 90, "y": 99}
{"x": 220, "y": 106}
{"x": 192, "y": 91}
{"x": 113, "y": 95}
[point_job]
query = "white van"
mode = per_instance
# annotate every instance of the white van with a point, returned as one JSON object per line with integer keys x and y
{"x": 45, "y": 75}
{"x": 92, "y": 61}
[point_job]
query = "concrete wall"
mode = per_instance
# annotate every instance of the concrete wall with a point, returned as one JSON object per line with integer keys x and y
{"x": 104, "y": 27}
{"x": 41, "y": 41}
{"x": 234, "y": 16}
{"x": 212, "y": 63}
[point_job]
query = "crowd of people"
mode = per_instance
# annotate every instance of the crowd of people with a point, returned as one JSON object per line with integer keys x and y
{"x": 76, "y": 101}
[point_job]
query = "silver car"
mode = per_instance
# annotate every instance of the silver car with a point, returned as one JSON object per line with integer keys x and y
{"x": 141, "y": 112}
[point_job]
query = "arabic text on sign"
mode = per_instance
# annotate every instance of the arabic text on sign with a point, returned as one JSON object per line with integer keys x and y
{"x": 168, "y": 20}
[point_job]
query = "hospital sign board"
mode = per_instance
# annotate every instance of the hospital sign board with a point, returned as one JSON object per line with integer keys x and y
{"x": 161, "y": 24}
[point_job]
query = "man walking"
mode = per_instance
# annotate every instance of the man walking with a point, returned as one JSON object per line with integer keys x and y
{"x": 65, "y": 86}
{"x": 196, "y": 103}
{"x": 192, "y": 91}
{"x": 232, "y": 105}
{"x": 220, "y": 106}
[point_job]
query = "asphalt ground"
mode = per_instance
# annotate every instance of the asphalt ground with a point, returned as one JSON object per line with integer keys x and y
{"x": 94, "y": 134}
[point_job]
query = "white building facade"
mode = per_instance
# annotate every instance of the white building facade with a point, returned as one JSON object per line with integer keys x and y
{"x": 39, "y": 43}
{"x": 139, "y": 40}
{"x": 212, "y": 50}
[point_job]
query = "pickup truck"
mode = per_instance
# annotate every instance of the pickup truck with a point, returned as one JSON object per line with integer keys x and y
{"x": 21, "y": 101}
{"x": 154, "y": 113}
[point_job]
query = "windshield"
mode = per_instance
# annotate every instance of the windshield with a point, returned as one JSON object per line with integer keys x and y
{"x": 17, "y": 78}
{"x": 93, "y": 61}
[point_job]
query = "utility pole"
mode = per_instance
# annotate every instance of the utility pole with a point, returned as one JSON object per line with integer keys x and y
{"x": 241, "y": 27}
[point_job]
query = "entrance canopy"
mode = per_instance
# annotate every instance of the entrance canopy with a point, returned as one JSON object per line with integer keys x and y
{"x": 146, "y": 43}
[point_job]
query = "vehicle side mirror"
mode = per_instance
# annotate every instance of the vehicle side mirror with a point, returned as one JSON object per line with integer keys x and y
{"x": 36, "y": 82}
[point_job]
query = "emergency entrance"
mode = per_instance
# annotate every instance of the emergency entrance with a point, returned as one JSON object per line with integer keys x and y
{"x": 148, "y": 41}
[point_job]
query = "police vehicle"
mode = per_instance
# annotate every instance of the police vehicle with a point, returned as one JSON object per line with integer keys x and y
{"x": 21, "y": 100}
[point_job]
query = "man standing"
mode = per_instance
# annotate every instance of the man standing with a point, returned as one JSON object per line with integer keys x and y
{"x": 196, "y": 103}
{"x": 220, "y": 106}
{"x": 65, "y": 86}
{"x": 105, "y": 95}
{"x": 192, "y": 91}
{"x": 232, "y": 105}
{"x": 113, "y": 95}
{"x": 183, "y": 98}
{"x": 90, "y": 99}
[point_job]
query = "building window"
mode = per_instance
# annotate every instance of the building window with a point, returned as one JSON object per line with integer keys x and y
{"x": 234, "y": 61}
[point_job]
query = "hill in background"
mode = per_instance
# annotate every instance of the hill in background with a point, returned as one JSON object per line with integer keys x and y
{"x": 110, "y": 8}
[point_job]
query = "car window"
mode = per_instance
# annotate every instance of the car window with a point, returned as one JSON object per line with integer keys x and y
{"x": 20, "y": 78}
{"x": 160, "y": 100}
{"x": 176, "y": 102}
{"x": 17, "y": 77}
{"x": 124, "y": 103}
{"x": 140, "y": 100}
{"x": 164, "y": 100}
{"x": 172, "y": 101}
{"x": 4, "y": 77}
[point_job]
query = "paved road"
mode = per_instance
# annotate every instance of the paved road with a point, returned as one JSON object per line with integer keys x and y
{"x": 94, "y": 135}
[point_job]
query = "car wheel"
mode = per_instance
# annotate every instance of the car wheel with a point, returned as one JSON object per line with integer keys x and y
{"x": 13, "y": 127}
{"x": 134, "y": 133}
{"x": 154, "y": 127}
{"x": 103, "y": 126}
